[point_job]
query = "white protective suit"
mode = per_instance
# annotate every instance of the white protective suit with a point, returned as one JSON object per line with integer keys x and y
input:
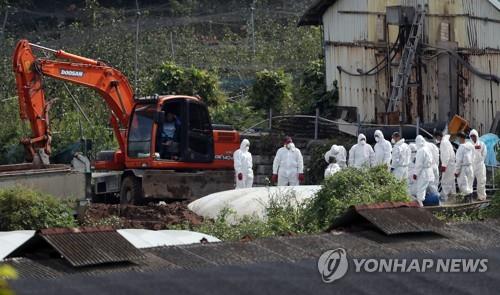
{"x": 434, "y": 150}
{"x": 383, "y": 149}
{"x": 243, "y": 164}
{"x": 361, "y": 154}
{"x": 339, "y": 153}
{"x": 412, "y": 183}
{"x": 463, "y": 167}
{"x": 423, "y": 168}
{"x": 447, "y": 154}
{"x": 478, "y": 165}
{"x": 332, "y": 169}
{"x": 401, "y": 155}
{"x": 288, "y": 164}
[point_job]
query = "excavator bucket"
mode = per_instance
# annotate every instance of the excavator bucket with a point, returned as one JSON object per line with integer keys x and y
{"x": 458, "y": 124}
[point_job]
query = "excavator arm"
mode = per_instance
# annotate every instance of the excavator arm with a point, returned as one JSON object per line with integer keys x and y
{"x": 29, "y": 71}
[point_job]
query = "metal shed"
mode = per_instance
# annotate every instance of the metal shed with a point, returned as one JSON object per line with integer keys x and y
{"x": 358, "y": 36}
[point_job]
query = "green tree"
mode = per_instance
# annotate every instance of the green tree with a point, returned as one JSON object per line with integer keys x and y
{"x": 312, "y": 89}
{"x": 272, "y": 89}
{"x": 171, "y": 78}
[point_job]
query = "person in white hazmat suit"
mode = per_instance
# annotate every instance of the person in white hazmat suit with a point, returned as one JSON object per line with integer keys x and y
{"x": 332, "y": 168}
{"x": 434, "y": 150}
{"x": 463, "y": 165}
{"x": 478, "y": 166}
{"x": 401, "y": 155}
{"x": 447, "y": 169}
{"x": 288, "y": 165}
{"x": 361, "y": 154}
{"x": 243, "y": 165}
{"x": 340, "y": 154}
{"x": 383, "y": 149}
{"x": 422, "y": 173}
{"x": 412, "y": 183}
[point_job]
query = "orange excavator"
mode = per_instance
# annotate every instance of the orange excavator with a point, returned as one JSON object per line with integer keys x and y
{"x": 168, "y": 148}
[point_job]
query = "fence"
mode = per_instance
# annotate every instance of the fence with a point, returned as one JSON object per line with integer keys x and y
{"x": 353, "y": 128}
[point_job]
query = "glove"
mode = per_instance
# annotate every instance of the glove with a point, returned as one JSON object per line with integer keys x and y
{"x": 414, "y": 177}
{"x": 392, "y": 169}
{"x": 274, "y": 178}
{"x": 301, "y": 177}
{"x": 240, "y": 176}
{"x": 442, "y": 169}
{"x": 478, "y": 147}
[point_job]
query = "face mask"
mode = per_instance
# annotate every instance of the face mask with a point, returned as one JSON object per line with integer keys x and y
{"x": 393, "y": 141}
{"x": 362, "y": 142}
{"x": 437, "y": 141}
{"x": 377, "y": 138}
{"x": 246, "y": 148}
{"x": 288, "y": 145}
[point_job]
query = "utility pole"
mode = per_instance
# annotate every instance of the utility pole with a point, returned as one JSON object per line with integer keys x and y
{"x": 172, "y": 45}
{"x": 252, "y": 19}
{"x": 136, "y": 68}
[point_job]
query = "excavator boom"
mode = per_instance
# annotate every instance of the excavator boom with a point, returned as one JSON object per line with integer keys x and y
{"x": 29, "y": 70}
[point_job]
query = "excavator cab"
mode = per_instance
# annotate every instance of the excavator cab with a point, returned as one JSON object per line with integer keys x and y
{"x": 175, "y": 129}
{"x": 184, "y": 132}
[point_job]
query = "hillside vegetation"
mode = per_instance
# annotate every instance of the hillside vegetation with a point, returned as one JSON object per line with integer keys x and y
{"x": 218, "y": 39}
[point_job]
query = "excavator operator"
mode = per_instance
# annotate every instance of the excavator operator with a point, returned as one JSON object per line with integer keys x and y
{"x": 170, "y": 137}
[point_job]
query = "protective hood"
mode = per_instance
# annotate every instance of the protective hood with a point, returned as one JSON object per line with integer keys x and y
{"x": 413, "y": 147}
{"x": 420, "y": 141}
{"x": 361, "y": 137}
{"x": 474, "y": 132}
{"x": 245, "y": 144}
{"x": 334, "y": 150}
{"x": 446, "y": 138}
{"x": 378, "y": 134}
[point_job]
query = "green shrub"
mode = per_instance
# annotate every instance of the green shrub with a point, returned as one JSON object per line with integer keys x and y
{"x": 284, "y": 216}
{"x": 171, "y": 78}
{"x": 312, "y": 90}
{"x": 272, "y": 89}
{"x": 22, "y": 208}
{"x": 351, "y": 187}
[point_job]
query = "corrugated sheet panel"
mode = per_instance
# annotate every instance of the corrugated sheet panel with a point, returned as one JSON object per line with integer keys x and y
{"x": 342, "y": 27}
{"x": 477, "y": 105}
{"x": 84, "y": 247}
{"x": 390, "y": 218}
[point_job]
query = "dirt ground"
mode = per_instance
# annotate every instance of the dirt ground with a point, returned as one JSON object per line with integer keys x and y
{"x": 148, "y": 217}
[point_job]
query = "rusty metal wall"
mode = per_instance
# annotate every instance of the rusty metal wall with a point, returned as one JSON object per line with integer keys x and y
{"x": 352, "y": 39}
{"x": 477, "y": 106}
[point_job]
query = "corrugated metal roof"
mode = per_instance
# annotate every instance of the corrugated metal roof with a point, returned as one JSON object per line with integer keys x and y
{"x": 143, "y": 238}
{"x": 391, "y": 218}
{"x": 91, "y": 246}
{"x": 10, "y": 241}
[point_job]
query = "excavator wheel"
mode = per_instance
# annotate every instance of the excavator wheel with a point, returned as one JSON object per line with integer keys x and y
{"x": 131, "y": 191}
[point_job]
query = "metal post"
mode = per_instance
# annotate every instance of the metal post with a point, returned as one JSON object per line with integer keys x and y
{"x": 316, "y": 122}
{"x": 493, "y": 174}
{"x": 136, "y": 66}
{"x": 172, "y": 45}
{"x": 270, "y": 119}
{"x": 359, "y": 124}
{"x": 253, "y": 27}
{"x": 491, "y": 94}
{"x": 418, "y": 126}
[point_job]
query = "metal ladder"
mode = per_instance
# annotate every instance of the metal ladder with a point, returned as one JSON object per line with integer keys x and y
{"x": 400, "y": 84}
